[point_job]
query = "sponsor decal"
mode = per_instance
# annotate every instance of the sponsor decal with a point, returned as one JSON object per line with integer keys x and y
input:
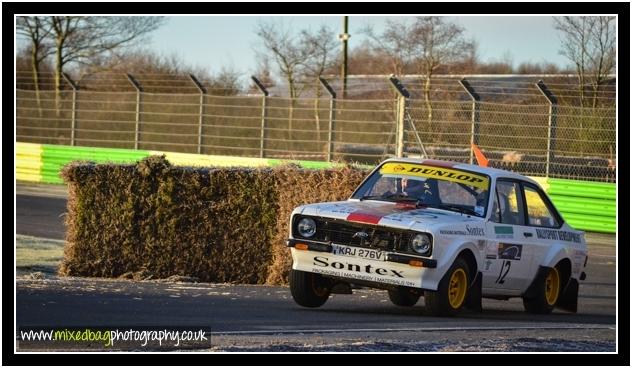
{"x": 504, "y": 232}
{"x": 488, "y": 264}
{"x": 452, "y": 232}
{"x": 549, "y": 234}
{"x": 474, "y": 231}
{"x": 339, "y": 209}
{"x": 509, "y": 251}
{"x": 453, "y": 175}
{"x": 324, "y": 262}
{"x": 469, "y": 231}
{"x": 410, "y": 216}
{"x": 491, "y": 251}
{"x": 354, "y": 267}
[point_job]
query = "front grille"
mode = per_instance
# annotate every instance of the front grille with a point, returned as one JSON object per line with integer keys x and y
{"x": 346, "y": 233}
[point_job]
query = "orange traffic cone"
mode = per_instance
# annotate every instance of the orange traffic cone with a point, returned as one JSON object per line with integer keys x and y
{"x": 480, "y": 158}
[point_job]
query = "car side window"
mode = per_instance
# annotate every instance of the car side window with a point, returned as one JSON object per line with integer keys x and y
{"x": 508, "y": 207}
{"x": 538, "y": 212}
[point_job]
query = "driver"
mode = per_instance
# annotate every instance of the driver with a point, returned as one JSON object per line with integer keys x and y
{"x": 422, "y": 190}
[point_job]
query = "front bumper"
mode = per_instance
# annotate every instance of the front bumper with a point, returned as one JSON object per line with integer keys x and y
{"x": 366, "y": 265}
{"x": 390, "y": 256}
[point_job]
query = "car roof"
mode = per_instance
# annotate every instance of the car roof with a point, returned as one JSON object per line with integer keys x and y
{"x": 492, "y": 172}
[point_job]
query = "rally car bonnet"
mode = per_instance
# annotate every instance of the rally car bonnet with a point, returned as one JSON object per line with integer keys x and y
{"x": 387, "y": 214}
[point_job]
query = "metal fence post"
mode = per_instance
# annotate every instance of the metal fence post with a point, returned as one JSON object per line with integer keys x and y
{"x": 474, "y": 138}
{"x": 403, "y": 94}
{"x": 203, "y": 91}
{"x": 73, "y": 121}
{"x": 550, "y": 144}
{"x": 332, "y": 117}
{"x": 139, "y": 89}
{"x": 264, "y": 98}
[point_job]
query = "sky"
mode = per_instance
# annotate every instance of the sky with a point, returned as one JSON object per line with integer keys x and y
{"x": 210, "y": 42}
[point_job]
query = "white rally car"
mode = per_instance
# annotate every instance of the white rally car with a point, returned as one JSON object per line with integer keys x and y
{"x": 452, "y": 232}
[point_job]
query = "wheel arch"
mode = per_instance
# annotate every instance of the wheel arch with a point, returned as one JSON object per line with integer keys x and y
{"x": 468, "y": 250}
{"x": 564, "y": 268}
{"x": 555, "y": 254}
{"x": 471, "y": 261}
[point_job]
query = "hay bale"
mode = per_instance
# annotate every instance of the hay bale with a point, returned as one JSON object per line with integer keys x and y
{"x": 212, "y": 224}
{"x": 295, "y": 187}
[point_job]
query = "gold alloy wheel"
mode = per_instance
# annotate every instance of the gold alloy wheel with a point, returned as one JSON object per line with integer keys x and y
{"x": 457, "y": 288}
{"x": 552, "y": 286}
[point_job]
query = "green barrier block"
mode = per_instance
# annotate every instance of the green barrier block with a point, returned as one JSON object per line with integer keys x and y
{"x": 52, "y": 178}
{"x": 577, "y": 188}
{"x": 315, "y": 164}
{"x": 591, "y": 223}
{"x": 54, "y": 158}
{"x": 588, "y": 206}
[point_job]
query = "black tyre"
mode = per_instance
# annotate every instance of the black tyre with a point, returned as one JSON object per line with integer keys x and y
{"x": 309, "y": 289}
{"x": 403, "y": 297}
{"x": 546, "y": 295}
{"x": 454, "y": 287}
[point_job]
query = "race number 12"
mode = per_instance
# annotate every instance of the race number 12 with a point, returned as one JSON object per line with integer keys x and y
{"x": 504, "y": 270}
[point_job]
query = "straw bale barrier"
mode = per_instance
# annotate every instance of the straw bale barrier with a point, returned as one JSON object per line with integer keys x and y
{"x": 153, "y": 220}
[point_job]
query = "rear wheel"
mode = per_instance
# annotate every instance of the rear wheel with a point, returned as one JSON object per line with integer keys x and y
{"x": 452, "y": 292}
{"x": 403, "y": 297}
{"x": 309, "y": 289}
{"x": 546, "y": 295}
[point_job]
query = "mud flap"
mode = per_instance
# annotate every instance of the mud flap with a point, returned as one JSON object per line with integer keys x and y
{"x": 475, "y": 295}
{"x": 568, "y": 299}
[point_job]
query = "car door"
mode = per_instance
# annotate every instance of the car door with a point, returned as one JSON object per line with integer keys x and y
{"x": 542, "y": 220}
{"x": 509, "y": 251}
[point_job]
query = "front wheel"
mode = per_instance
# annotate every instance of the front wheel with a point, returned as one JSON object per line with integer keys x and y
{"x": 546, "y": 295}
{"x": 403, "y": 297}
{"x": 309, "y": 289}
{"x": 452, "y": 293}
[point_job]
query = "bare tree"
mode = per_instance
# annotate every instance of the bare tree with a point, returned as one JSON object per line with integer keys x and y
{"x": 438, "y": 43}
{"x": 323, "y": 47}
{"x": 37, "y": 32}
{"x": 80, "y": 39}
{"x": 425, "y": 44}
{"x": 288, "y": 52}
{"x": 291, "y": 56}
{"x": 225, "y": 82}
{"x": 590, "y": 44}
{"x": 264, "y": 74}
{"x": 396, "y": 41}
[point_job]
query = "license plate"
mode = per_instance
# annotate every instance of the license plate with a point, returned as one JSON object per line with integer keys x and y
{"x": 347, "y": 251}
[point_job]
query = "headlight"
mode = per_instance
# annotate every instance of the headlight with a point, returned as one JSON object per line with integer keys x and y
{"x": 421, "y": 244}
{"x": 306, "y": 227}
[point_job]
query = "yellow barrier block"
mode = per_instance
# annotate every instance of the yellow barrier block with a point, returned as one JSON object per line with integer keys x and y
{"x": 28, "y": 162}
{"x": 28, "y": 175}
{"x": 23, "y": 148}
{"x": 192, "y": 159}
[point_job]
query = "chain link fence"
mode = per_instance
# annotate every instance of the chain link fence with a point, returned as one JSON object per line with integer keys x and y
{"x": 512, "y": 122}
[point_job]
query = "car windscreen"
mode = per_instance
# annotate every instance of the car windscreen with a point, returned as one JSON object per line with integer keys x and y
{"x": 446, "y": 188}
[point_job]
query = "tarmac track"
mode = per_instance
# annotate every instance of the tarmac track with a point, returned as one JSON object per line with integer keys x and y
{"x": 265, "y": 318}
